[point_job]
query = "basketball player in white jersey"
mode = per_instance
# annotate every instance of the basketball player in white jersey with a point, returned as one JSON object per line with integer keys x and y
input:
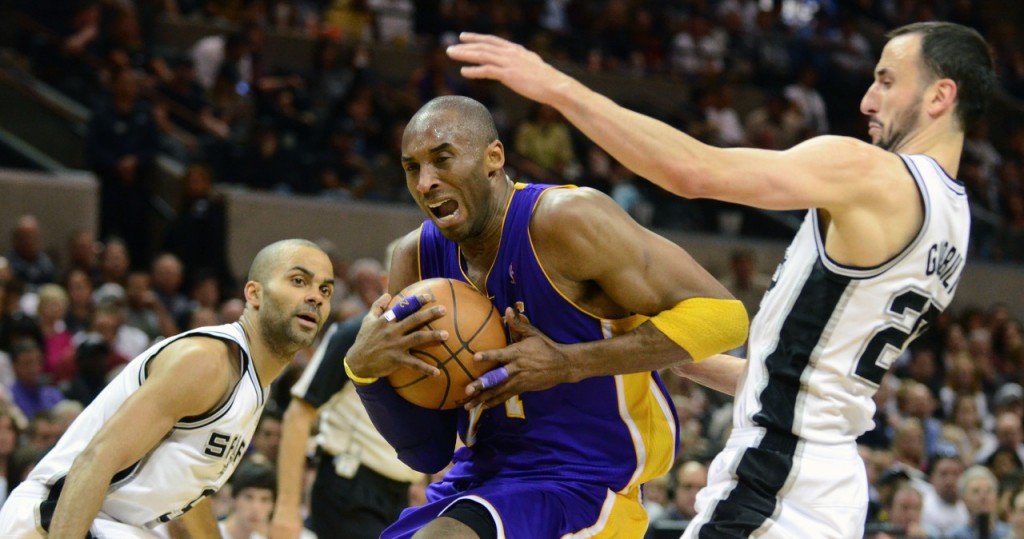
{"x": 170, "y": 429}
{"x": 880, "y": 252}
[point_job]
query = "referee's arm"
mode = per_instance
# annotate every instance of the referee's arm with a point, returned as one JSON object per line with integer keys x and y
{"x": 324, "y": 376}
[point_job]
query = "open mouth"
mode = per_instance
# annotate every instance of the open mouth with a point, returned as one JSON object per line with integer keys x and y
{"x": 444, "y": 209}
{"x": 308, "y": 319}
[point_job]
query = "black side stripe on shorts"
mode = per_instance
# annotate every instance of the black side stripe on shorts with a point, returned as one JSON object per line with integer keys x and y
{"x": 764, "y": 469}
{"x": 49, "y": 505}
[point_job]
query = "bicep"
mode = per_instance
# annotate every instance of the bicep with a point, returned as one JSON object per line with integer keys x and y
{"x": 586, "y": 237}
{"x": 405, "y": 263}
{"x": 149, "y": 413}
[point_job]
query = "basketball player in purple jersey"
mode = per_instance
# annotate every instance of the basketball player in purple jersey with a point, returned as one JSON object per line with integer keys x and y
{"x": 880, "y": 252}
{"x": 568, "y": 459}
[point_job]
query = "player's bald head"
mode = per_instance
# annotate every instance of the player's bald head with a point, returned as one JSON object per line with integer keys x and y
{"x": 462, "y": 114}
{"x": 274, "y": 254}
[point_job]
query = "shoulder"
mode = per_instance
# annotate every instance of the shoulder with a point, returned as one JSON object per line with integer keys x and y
{"x": 558, "y": 210}
{"x": 196, "y": 358}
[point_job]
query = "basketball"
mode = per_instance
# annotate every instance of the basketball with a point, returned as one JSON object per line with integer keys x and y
{"x": 473, "y": 325}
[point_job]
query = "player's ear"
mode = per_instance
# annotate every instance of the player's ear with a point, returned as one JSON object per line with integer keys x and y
{"x": 943, "y": 97}
{"x": 253, "y": 293}
{"x": 494, "y": 158}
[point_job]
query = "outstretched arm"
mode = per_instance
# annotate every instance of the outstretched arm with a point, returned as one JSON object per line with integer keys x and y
{"x": 813, "y": 175}
{"x": 291, "y": 463}
{"x": 141, "y": 423}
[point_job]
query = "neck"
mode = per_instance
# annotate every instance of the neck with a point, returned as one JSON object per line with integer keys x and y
{"x": 268, "y": 360}
{"x": 942, "y": 142}
{"x": 481, "y": 250}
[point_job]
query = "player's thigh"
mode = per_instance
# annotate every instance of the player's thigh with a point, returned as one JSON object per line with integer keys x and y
{"x": 527, "y": 510}
{"x": 829, "y": 497}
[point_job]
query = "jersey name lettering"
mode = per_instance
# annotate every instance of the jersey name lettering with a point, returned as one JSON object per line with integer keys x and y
{"x": 945, "y": 262}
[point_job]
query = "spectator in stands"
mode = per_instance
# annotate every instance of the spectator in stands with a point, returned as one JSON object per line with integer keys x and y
{"x": 808, "y": 100}
{"x": 267, "y": 439}
{"x": 115, "y": 262}
{"x": 943, "y": 509}
{"x": 27, "y": 260}
{"x": 83, "y": 254}
{"x": 186, "y": 104}
{"x": 1016, "y": 513}
{"x": 10, "y": 431}
{"x": 253, "y": 490}
{"x": 44, "y": 429}
{"x": 343, "y": 173}
{"x": 125, "y": 341}
{"x": 121, "y": 146}
{"x": 79, "y": 288}
{"x": 691, "y": 476}
{"x": 904, "y": 513}
{"x": 92, "y": 358}
{"x": 977, "y": 487}
{"x": 198, "y": 234}
{"x": 57, "y": 346}
{"x": 1009, "y": 435}
{"x": 916, "y": 401}
{"x": 144, "y": 309}
{"x": 168, "y": 276}
{"x": 745, "y": 280}
{"x": 213, "y": 53}
{"x": 656, "y": 499}
{"x": 965, "y": 416}
{"x": 544, "y": 139}
{"x": 30, "y": 392}
{"x": 267, "y": 166}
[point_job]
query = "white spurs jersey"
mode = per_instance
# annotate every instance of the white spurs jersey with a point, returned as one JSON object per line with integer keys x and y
{"x": 194, "y": 460}
{"x": 827, "y": 333}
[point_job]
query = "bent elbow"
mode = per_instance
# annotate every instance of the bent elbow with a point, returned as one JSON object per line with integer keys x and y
{"x": 424, "y": 462}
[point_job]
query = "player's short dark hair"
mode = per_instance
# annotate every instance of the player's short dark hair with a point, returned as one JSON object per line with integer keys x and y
{"x": 251, "y": 474}
{"x": 953, "y": 51}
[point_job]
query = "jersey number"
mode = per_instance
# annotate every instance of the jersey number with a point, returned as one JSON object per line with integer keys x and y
{"x": 889, "y": 341}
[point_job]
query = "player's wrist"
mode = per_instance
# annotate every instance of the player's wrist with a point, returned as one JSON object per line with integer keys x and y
{"x": 363, "y": 380}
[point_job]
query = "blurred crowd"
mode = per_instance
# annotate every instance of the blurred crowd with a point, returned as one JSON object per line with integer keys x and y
{"x": 763, "y": 73}
{"x": 947, "y": 455}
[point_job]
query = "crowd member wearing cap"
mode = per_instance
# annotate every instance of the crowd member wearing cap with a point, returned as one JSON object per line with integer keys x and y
{"x": 1009, "y": 398}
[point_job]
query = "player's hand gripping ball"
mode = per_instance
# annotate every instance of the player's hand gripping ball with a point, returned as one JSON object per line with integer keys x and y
{"x": 473, "y": 324}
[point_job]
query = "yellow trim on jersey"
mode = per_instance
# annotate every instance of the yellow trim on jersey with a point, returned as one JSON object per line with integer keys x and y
{"x": 622, "y": 515}
{"x": 704, "y": 326}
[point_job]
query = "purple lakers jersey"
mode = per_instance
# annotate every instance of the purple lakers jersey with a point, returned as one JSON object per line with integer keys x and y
{"x": 618, "y": 431}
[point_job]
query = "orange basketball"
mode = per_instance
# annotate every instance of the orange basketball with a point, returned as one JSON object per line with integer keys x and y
{"x": 473, "y": 325}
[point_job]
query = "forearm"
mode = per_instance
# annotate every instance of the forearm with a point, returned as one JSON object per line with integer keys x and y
{"x": 291, "y": 458}
{"x": 424, "y": 439}
{"x": 643, "y": 349}
{"x": 720, "y": 372}
{"x": 82, "y": 496}
{"x": 653, "y": 150}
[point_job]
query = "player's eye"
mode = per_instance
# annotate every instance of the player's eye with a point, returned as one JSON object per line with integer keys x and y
{"x": 298, "y": 281}
{"x": 326, "y": 291}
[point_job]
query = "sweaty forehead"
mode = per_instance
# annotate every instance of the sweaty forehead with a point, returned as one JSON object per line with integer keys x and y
{"x": 430, "y": 130}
